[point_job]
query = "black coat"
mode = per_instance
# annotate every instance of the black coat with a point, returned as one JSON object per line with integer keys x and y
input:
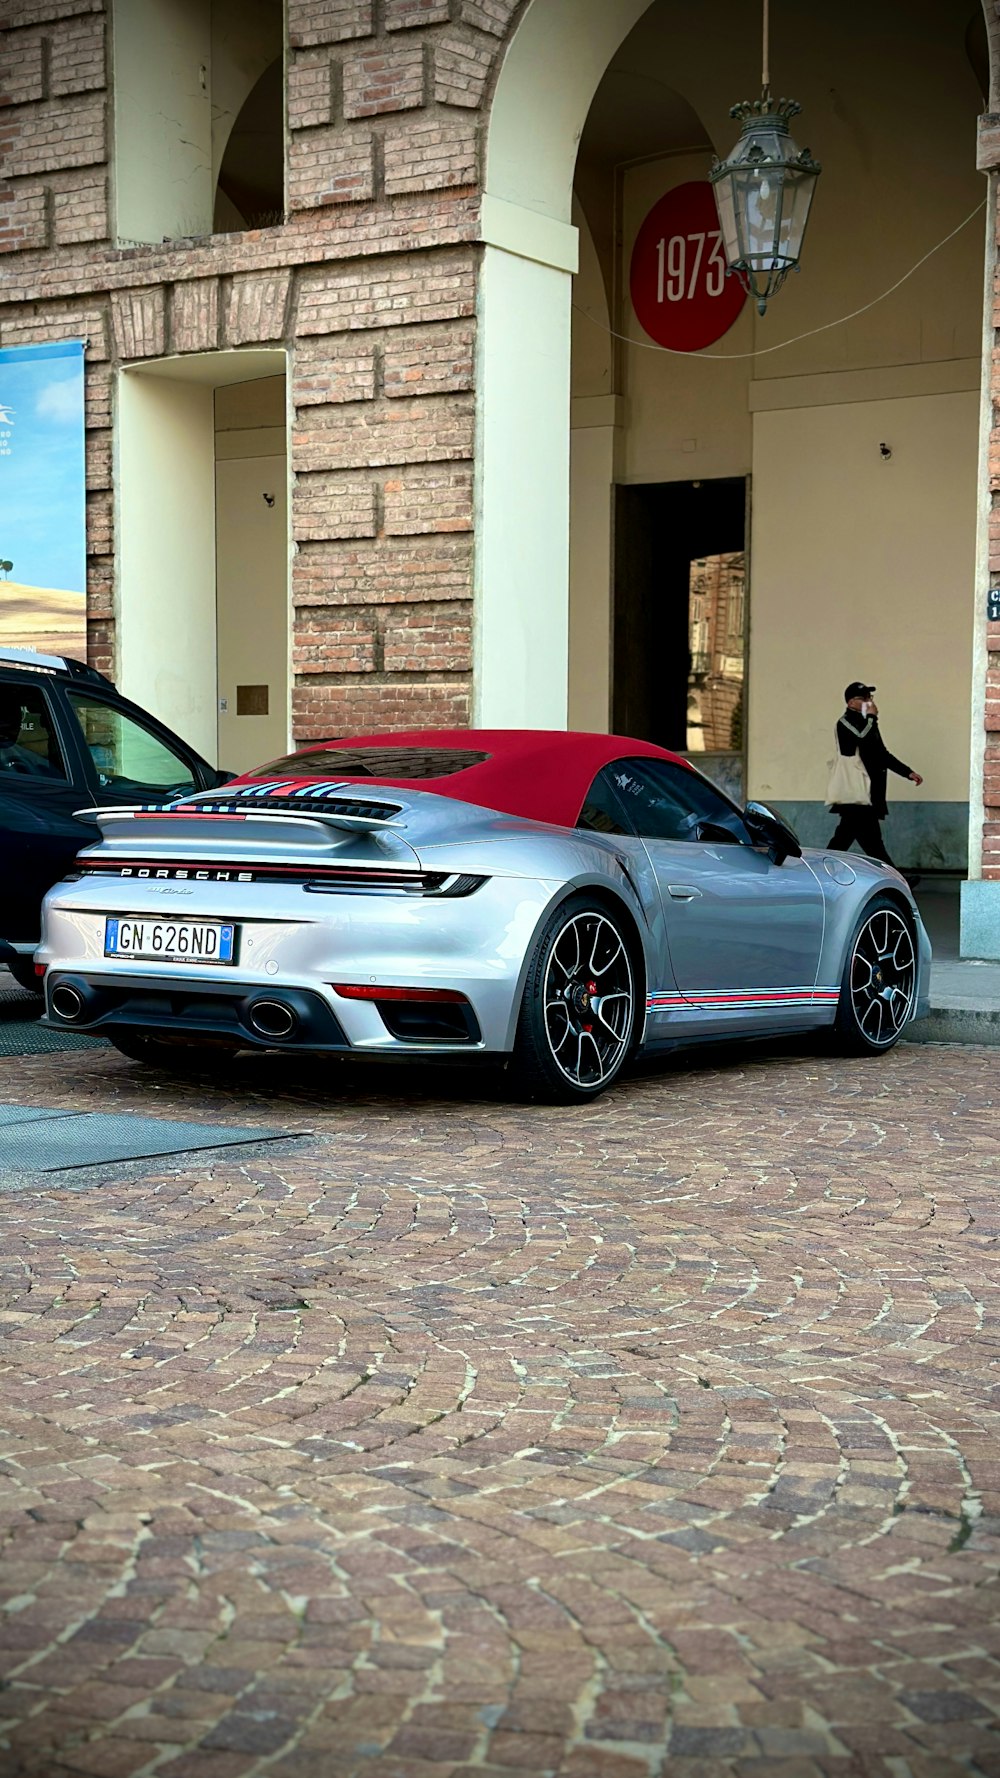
{"x": 860, "y": 734}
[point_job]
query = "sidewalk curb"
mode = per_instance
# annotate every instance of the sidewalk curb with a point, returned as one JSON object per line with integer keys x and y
{"x": 957, "y": 1024}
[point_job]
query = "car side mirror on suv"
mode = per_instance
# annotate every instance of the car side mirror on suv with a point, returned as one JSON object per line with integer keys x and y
{"x": 768, "y": 829}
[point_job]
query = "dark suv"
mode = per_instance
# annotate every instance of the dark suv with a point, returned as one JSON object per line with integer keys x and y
{"x": 69, "y": 743}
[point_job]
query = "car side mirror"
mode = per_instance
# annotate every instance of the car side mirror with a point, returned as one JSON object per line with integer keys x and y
{"x": 768, "y": 829}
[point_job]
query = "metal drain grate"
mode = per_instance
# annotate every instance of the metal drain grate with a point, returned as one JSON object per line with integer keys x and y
{"x": 22, "y": 1035}
{"x": 36, "y": 1140}
{"x": 27, "y": 1114}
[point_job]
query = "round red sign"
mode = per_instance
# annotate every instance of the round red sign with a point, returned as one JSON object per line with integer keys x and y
{"x": 680, "y": 292}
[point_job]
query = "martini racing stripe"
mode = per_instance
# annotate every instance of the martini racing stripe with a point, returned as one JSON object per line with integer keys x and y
{"x": 748, "y": 999}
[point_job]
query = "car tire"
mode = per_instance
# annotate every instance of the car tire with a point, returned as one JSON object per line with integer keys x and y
{"x": 23, "y": 971}
{"x": 879, "y": 984}
{"x": 579, "y": 1019}
{"x": 175, "y": 1058}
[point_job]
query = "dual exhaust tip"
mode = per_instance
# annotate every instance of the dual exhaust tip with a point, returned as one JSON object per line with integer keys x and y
{"x": 271, "y": 1019}
{"x": 66, "y": 1002}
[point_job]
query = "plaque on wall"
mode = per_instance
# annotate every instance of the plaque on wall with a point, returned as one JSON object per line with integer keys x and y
{"x": 251, "y": 700}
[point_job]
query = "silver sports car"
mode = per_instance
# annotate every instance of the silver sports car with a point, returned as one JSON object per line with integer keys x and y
{"x": 558, "y": 902}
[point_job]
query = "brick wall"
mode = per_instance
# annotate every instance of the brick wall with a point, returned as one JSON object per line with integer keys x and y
{"x": 370, "y": 285}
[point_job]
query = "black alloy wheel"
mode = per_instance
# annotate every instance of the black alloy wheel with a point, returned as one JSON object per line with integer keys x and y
{"x": 880, "y": 979}
{"x": 577, "y": 1023}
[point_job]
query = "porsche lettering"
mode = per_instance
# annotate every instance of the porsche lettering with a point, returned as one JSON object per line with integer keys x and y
{"x": 182, "y": 876}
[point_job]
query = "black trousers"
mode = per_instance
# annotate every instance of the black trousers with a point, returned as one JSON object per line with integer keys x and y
{"x": 863, "y": 825}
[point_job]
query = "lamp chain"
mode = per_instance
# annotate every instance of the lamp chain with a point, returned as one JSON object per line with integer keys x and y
{"x": 765, "y": 73}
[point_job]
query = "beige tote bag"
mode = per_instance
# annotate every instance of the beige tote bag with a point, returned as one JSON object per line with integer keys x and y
{"x": 848, "y": 784}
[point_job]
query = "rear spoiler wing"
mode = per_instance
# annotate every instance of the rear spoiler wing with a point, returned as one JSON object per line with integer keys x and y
{"x": 121, "y": 823}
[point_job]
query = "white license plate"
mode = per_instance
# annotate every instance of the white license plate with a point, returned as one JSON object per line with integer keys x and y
{"x": 174, "y": 941}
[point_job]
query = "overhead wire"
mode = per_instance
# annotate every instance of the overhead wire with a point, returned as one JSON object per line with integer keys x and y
{"x": 782, "y": 345}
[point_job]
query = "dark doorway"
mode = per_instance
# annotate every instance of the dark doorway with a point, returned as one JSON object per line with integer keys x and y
{"x": 680, "y": 620}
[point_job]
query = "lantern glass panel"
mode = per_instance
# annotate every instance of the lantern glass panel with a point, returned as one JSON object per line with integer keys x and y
{"x": 758, "y": 203}
{"x": 727, "y": 219}
{"x": 798, "y": 196}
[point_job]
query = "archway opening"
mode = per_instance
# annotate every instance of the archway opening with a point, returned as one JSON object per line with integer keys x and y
{"x": 858, "y": 442}
{"x": 203, "y": 611}
{"x": 198, "y": 117}
{"x": 852, "y": 452}
{"x": 251, "y": 188}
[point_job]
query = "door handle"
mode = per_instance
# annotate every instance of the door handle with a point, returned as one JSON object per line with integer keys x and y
{"x": 682, "y": 891}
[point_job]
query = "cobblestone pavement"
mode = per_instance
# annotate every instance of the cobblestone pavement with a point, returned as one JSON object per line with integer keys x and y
{"x": 657, "y": 1437}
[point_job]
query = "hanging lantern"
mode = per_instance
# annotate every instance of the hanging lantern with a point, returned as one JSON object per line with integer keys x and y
{"x": 763, "y": 192}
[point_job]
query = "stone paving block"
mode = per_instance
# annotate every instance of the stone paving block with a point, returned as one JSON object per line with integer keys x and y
{"x": 473, "y": 1436}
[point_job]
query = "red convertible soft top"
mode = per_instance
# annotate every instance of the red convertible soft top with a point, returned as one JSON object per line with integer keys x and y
{"x": 539, "y": 774}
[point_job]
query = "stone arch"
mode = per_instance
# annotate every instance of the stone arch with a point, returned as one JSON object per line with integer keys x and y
{"x": 550, "y": 73}
{"x": 551, "y": 70}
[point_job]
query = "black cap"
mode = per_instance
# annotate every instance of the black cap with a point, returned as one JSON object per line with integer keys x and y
{"x": 857, "y": 690}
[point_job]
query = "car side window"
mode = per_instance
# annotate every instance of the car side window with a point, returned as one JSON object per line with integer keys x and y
{"x": 129, "y": 759}
{"x": 602, "y": 811}
{"x": 29, "y": 744}
{"x": 669, "y": 802}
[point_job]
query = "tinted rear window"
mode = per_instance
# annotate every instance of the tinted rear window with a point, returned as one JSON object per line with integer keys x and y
{"x": 373, "y": 762}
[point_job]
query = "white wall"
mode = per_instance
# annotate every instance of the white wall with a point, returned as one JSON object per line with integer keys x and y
{"x": 162, "y": 71}
{"x": 688, "y": 416}
{"x": 252, "y": 607}
{"x": 862, "y": 567}
{"x": 595, "y": 413}
{"x": 592, "y": 450}
{"x": 252, "y": 558}
{"x": 592, "y": 341}
{"x": 165, "y": 526}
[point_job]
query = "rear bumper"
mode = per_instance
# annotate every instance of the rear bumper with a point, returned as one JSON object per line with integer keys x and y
{"x": 194, "y": 1009}
{"x": 294, "y": 948}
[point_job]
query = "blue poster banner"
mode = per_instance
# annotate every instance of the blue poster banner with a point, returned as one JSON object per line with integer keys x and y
{"x": 43, "y": 521}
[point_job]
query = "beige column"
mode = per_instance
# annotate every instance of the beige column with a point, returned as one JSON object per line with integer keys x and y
{"x": 980, "y": 932}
